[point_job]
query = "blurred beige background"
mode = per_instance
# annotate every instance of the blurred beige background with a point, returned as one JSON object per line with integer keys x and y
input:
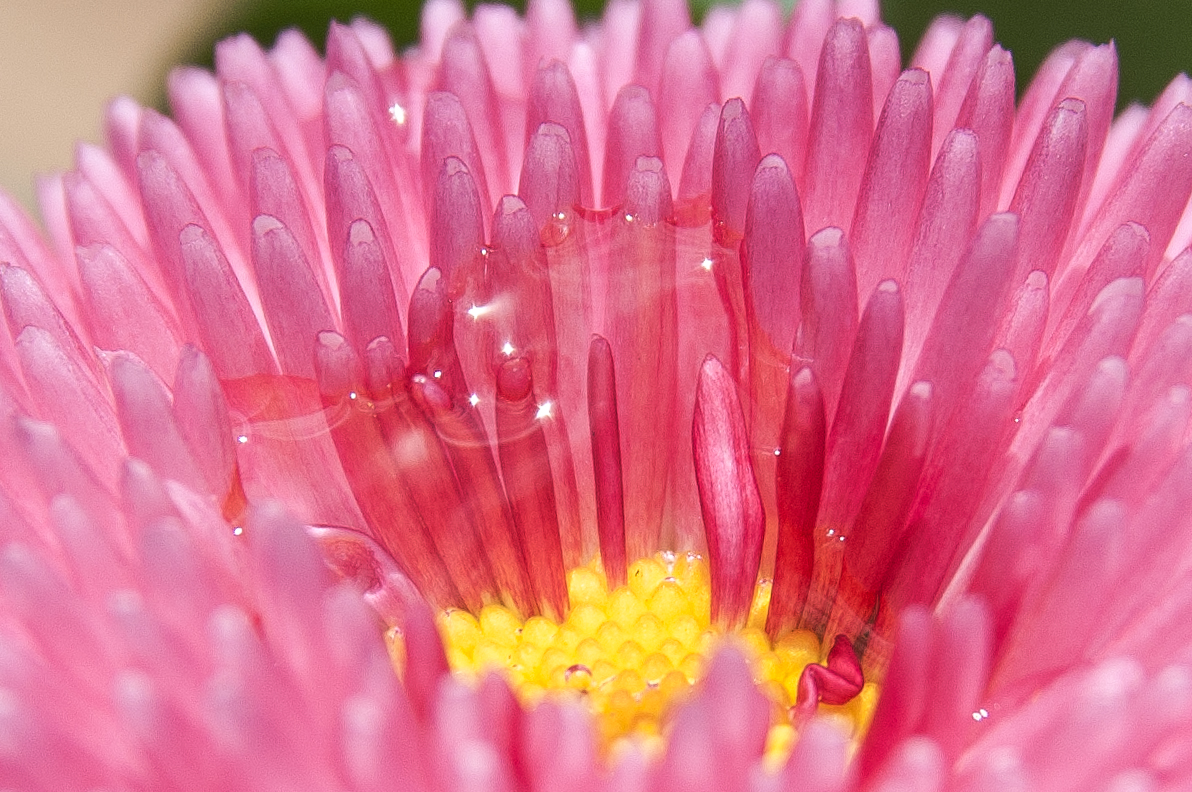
{"x": 62, "y": 60}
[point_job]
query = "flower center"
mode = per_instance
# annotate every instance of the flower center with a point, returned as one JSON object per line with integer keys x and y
{"x": 634, "y": 653}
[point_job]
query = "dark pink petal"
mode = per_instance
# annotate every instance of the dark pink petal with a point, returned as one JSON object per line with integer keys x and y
{"x": 1038, "y": 100}
{"x": 1094, "y": 80}
{"x": 945, "y": 225}
{"x": 1124, "y": 255}
{"x": 370, "y": 286}
{"x": 93, "y": 220}
{"x": 964, "y": 64}
{"x": 606, "y": 460}
{"x": 641, "y": 326}
{"x": 550, "y": 183}
{"x": 526, "y": 470}
{"x": 70, "y": 396}
{"x": 988, "y": 111}
{"x": 632, "y": 133}
{"x": 695, "y": 183}
{"x": 829, "y": 311}
{"x": 962, "y": 332}
{"x": 689, "y": 84}
{"x": 1153, "y": 191}
{"x": 958, "y": 675}
{"x": 447, "y": 133}
{"x": 387, "y": 507}
{"x": 756, "y": 36}
{"x": 880, "y": 523}
{"x": 1021, "y": 333}
{"x": 423, "y": 468}
{"x": 1046, "y": 198}
{"x": 779, "y": 111}
{"x": 197, "y": 104}
{"x": 841, "y": 124}
{"x": 26, "y": 304}
{"x": 734, "y": 159}
{"x": 947, "y": 519}
{"x": 799, "y": 481}
{"x": 350, "y": 124}
{"x": 553, "y": 99}
{"x": 519, "y": 293}
{"x": 464, "y": 73}
{"x": 1169, "y": 297}
{"x": 906, "y": 698}
{"x": 432, "y": 340}
{"x": 273, "y": 190}
{"x": 734, "y": 520}
{"x": 226, "y": 323}
{"x": 772, "y": 262}
{"x": 147, "y": 422}
{"x": 240, "y": 59}
{"x": 456, "y": 227}
{"x": 661, "y": 23}
{"x": 855, "y": 438}
{"x": 895, "y": 179}
{"x": 885, "y": 58}
{"x": 294, "y": 304}
{"x": 551, "y": 28}
{"x": 473, "y": 462}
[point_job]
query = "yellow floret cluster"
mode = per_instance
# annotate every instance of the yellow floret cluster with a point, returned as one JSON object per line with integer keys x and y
{"x": 633, "y": 653}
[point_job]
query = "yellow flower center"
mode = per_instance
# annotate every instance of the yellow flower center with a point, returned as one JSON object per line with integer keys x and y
{"x": 634, "y": 653}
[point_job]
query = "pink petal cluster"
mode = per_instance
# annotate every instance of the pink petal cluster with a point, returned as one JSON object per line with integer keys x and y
{"x": 437, "y": 327}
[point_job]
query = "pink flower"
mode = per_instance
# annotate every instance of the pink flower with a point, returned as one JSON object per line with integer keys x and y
{"x": 357, "y": 347}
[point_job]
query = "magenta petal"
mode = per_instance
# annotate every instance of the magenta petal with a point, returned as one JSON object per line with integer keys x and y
{"x": 800, "y": 473}
{"x": 387, "y": 508}
{"x": 526, "y": 470}
{"x": 606, "y": 460}
{"x": 729, "y": 499}
{"x": 488, "y": 507}
{"x": 735, "y": 157}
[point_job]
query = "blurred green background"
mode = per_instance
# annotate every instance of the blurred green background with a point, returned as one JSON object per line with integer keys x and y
{"x": 1153, "y": 36}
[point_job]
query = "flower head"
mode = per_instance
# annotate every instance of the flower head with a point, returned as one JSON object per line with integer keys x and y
{"x": 641, "y": 406}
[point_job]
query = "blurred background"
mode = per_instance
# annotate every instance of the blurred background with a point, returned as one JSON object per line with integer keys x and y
{"x": 61, "y": 60}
